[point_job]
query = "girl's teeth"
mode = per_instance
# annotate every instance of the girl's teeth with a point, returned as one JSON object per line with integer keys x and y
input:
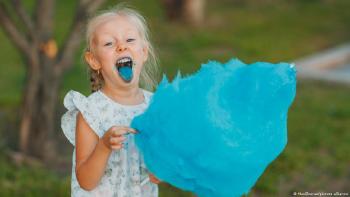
{"x": 124, "y": 60}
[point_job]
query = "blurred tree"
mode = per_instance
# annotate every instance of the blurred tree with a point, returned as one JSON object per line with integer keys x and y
{"x": 172, "y": 8}
{"x": 190, "y": 11}
{"x": 45, "y": 64}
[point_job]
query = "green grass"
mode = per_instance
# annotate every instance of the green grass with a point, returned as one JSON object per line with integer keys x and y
{"x": 29, "y": 181}
{"x": 316, "y": 157}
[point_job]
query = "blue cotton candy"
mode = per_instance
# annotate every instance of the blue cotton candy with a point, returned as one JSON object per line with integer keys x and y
{"x": 215, "y": 132}
{"x": 125, "y": 72}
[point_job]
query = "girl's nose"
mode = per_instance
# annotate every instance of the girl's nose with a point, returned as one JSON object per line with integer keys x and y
{"x": 121, "y": 47}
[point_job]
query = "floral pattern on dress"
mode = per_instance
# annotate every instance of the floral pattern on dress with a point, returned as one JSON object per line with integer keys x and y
{"x": 125, "y": 169}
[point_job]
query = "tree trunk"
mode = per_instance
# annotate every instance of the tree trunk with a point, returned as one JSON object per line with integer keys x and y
{"x": 189, "y": 11}
{"x": 173, "y": 8}
{"x": 28, "y": 111}
{"x": 193, "y": 11}
{"x": 39, "y": 107}
{"x": 32, "y": 35}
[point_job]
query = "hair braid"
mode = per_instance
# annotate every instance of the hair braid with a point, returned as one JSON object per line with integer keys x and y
{"x": 96, "y": 80}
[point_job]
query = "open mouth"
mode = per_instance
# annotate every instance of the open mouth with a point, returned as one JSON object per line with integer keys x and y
{"x": 124, "y": 67}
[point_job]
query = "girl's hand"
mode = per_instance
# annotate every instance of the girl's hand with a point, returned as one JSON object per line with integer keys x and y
{"x": 113, "y": 139}
{"x": 153, "y": 179}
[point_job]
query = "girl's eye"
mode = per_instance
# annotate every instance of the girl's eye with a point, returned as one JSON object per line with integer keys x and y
{"x": 108, "y": 44}
{"x": 130, "y": 39}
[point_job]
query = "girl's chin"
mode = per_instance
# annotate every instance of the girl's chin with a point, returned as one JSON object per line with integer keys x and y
{"x": 124, "y": 83}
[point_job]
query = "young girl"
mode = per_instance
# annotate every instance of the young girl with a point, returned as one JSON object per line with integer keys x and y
{"x": 106, "y": 161}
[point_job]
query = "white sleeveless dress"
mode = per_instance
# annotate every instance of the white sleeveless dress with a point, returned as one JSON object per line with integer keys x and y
{"x": 125, "y": 174}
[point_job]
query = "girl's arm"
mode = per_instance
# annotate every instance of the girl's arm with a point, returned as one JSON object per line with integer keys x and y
{"x": 91, "y": 155}
{"x": 92, "y": 152}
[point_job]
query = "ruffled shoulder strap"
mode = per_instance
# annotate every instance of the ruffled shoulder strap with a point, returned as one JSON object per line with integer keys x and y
{"x": 75, "y": 102}
{"x": 148, "y": 95}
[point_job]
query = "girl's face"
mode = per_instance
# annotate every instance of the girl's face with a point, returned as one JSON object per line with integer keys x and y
{"x": 115, "y": 39}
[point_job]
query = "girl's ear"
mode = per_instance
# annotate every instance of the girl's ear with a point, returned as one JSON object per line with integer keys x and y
{"x": 90, "y": 59}
{"x": 145, "y": 53}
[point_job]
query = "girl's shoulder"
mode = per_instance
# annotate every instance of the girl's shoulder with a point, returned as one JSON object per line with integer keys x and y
{"x": 95, "y": 98}
{"x": 147, "y": 93}
{"x": 76, "y": 102}
{"x": 72, "y": 97}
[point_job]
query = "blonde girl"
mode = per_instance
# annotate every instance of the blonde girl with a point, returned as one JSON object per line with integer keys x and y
{"x": 122, "y": 65}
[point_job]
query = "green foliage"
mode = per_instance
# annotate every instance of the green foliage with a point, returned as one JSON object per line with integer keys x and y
{"x": 316, "y": 157}
{"x": 30, "y": 181}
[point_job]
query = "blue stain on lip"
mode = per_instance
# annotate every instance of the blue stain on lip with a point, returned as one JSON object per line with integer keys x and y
{"x": 125, "y": 72}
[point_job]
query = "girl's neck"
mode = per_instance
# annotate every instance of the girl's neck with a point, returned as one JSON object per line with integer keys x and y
{"x": 130, "y": 95}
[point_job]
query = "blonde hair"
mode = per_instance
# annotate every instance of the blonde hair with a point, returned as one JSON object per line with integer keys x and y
{"x": 149, "y": 75}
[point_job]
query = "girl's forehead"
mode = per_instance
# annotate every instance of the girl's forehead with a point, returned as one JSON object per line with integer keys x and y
{"x": 116, "y": 24}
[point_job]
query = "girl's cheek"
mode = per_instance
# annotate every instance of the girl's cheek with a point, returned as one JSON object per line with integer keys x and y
{"x": 138, "y": 69}
{"x": 141, "y": 54}
{"x": 106, "y": 53}
{"x": 104, "y": 57}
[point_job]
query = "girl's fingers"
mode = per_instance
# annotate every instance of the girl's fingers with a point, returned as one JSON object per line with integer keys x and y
{"x": 131, "y": 130}
{"x": 116, "y": 140}
{"x": 120, "y": 130}
{"x": 116, "y": 147}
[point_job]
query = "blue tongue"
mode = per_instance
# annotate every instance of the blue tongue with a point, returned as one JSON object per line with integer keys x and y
{"x": 125, "y": 72}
